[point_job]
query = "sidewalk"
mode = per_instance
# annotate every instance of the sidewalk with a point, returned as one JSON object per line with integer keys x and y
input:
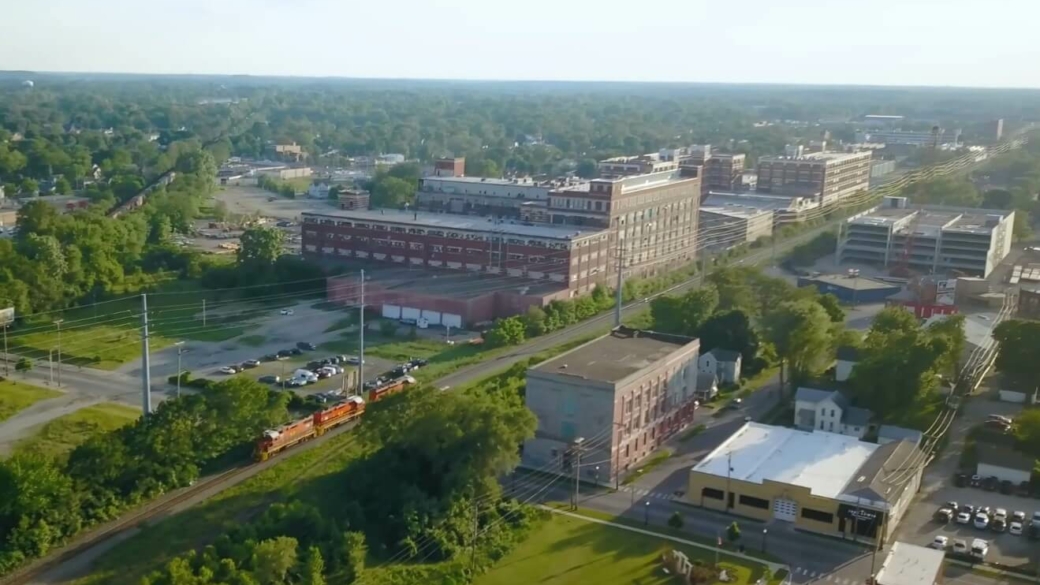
{"x": 774, "y": 567}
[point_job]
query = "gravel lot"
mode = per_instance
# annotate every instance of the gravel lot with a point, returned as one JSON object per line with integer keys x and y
{"x": 251, "y": 200}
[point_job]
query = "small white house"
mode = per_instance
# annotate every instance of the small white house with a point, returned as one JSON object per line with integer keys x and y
{"x": 723, "y": 363}
{"x": 823, "y": 410}
{"x": 848, "y": 357}
{"x": 1004, "y": 463}
{"x": 707, "y": 386}
{"x": 318, "y": 191}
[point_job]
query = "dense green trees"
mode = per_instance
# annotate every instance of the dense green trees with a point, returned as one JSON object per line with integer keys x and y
{"x": 44, "y": 501}
{"x": 903, "y": 362}
{"x": 1019, "y": 348}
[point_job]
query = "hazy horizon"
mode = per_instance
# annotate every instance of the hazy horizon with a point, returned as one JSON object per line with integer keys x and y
{"x": 913, "y": 43}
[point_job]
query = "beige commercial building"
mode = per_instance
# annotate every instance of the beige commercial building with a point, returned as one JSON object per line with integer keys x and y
{"x": 623, "y": 394}
{"x": 824, "y": 176}
{"x": 818, "y": 481}
{"x": 724, "y": 227}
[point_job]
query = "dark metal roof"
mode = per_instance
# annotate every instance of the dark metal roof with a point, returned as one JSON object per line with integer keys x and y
{"x": 887, "y": 472}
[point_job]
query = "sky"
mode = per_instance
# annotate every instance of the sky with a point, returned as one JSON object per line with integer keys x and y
{"x": 875, "y": 42}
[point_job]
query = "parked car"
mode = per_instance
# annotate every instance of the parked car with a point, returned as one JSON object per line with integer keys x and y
{"x": 981, "y": 521}
{"x": 998, "y": 525}
{"x": 952, "y": 505}
{"x": 306, "y": 346}
{"x": 968, "y": 508}
{"x": 943, "y": 515}
{"x": 963, "y": 518}
{"x": 283, "y": 354}
{"x": 353, "y": 360}
{"x": 990, "y": 484}
{"x": 314, "y": 365}
{"x": 323, "y": 373}
{"x": 269, "y": 379}
{"x": 979, "y": 549}
{"x": 296, "y": 382}
{"x": 229, "y": 370}
{"x": 250, "y": 364}
{"x": 268, "y": 357}
{"x": 984, "y": 510}
{"x": 1015, "y": 528}
{"x": 1000, "y": 513}
{"x": 1003, "y": 419}
{"x": 960, "y": 547}
{"x": 960, "y": 480}
{"x": 1019, "y": 516}
{"x": 997, "y": 425}
{"x": 1006, "y": 487}
{"x": 1033, "y": 531}
{"x": 288, "y": 312}
{"x": 939, "y": 542}
{"x": 295, "y": 351}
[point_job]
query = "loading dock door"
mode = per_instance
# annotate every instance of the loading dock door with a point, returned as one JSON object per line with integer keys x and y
{"x": 391, "y": 311}
{"x": 785, "y": 510}
{"x": 451, "y": 320}
{"x": 410, "y": 313}
{"x": 434, "y": 317}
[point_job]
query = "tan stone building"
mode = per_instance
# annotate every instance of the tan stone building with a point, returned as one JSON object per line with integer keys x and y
{"x": 824, "y": 176}
{"x": 821, "y": 482}
{"x": 623, "y": 393}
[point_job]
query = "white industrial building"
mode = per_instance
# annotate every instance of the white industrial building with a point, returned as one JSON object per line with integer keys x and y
{"x": 726, "y": 226}
{"x": 928, "y": 239}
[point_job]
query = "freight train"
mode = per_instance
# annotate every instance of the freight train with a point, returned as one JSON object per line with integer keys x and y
{"x": 298, "y": 431}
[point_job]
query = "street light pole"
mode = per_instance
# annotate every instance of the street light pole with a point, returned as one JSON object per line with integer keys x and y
{"x": 50, "y": 364}
{"x": 7, "y": 356}
{"x": 764, "y": 532}
{"x": 646, "y": 513}
{"x": 58, "y": 324}
{"x": 180, "y": 347}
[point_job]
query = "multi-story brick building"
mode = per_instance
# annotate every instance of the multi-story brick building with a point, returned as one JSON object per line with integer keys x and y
{"x": 653, "y": 215}
{"x": 625, "y": 166}
{"x": 824, "y": 176}
{"x": 480, "y": 196}
{"x": 449, "y": 167}
{"x": 624, "y": 394}
{"x": 453, "y": 269}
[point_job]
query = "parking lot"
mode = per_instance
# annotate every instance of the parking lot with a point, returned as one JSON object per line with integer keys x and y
{"x": 919, "y": 526}
{"x": 252, "y": 200}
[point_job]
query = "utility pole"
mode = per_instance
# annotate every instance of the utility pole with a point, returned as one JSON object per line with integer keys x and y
{"x": 146, "y": 363}
{"x": 50, "y": 364}
{"x": 473, "y": 541}
{"x": 361, "y": 333}
{"x": 58, "y": 325}
{"x": 729, "y": 473}
{"x": 7, "y": 356}
{"x": 577, "y": 468}
{"x": 620, "y": 279}
{"x": 203, "y": 312}
{"x": 180, "y": 347}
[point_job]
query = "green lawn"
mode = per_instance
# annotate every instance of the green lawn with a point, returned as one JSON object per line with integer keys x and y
{"x": 108, "y": 335}
{"x": 65, "y": 433}
{"x": 252, "y": 340}
{"x": 310, "y": 476}
{"x": 572, "y": 551}
{"x": 15, "y": 397}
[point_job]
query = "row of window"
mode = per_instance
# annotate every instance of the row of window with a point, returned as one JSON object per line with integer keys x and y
{"x": 753, "y": 502}
{"x": 533, "y": 242}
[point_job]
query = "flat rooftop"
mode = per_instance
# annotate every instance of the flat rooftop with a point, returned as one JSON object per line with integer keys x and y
{"x": 818, "y": 157}
{"x": 758, "y": 201}
{"x": 852, "y": 282}
{"x": 736, "y": 211}
{"x": 615, "y": 356}
{"x": 518, "y": 182}
{"x": 910, "y": 564}
{"x": 471, "y": 223}
{"x": 928, "y": 220}
{"x": 823, "y": 462}
{"x": 456, "y": 284}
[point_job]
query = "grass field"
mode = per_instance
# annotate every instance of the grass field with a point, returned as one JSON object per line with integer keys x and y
{"x": 252, "y": 340}
{"x": 63, "y": 434}
{"x": 567, "y": 551}
{"x": 309, "y": 476}
{"x": 15, "y": 397}
{"x": 108, "y": 335}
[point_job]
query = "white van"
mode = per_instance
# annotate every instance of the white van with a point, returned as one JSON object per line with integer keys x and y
{"x": 979, "y": 549}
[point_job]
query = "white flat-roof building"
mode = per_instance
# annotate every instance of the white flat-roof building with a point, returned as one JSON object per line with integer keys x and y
{"x": 726, "y": 226}
{"x": 910, "y": 564}
{"x": 929, "y": 239}
{"x": 480, "y": 195}
{"x": 824, "y": 482}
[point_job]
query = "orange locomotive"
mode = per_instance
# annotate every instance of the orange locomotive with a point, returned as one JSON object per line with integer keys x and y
{"x": 290, "y": 434}
{"x": 276, "y": 440}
